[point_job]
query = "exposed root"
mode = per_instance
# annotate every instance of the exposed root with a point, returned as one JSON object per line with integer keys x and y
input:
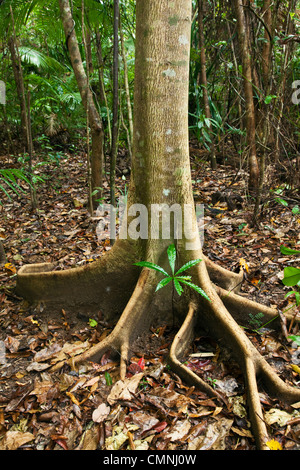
{"x": 222, "y": 277}
{"x": 242, "y": 309}
{"x": 131, "y": 323}
{"x": 90, "y": 286}
{"x": 222, "y": 318}
{"x": 224, "y": 328}
{"x": 179, "y": 346}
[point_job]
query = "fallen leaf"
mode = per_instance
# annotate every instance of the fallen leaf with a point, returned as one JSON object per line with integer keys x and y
{"x": 123, "y": 390}
{"x": 100, "y": 413}
{"x": 280, "y": 417}
{"x": 10, "y": 268}
{"x": 15, "y": 439}
{"x": 214, "y": 437}
{"x": 180, "y": 430}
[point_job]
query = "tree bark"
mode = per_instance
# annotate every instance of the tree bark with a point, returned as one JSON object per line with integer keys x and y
{"x": 115, "y": 126}
{"x": 19, "y": 79}
{"x": 103, "y": 97}
{"x": 127, "y": 92}
{"x": 248, "y": 91}
{"x": 87, "y": 100}
{"x": 266, "y": 81}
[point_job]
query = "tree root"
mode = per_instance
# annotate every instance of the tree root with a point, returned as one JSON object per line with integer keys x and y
{"x": 222, "y": 277}
{"x": 179, "y": 346}
{"x": 225, "y": 327}
{"x": 243, "y": 309}
{"x": 131, "y": 323}
{"x": 86, "y": 287}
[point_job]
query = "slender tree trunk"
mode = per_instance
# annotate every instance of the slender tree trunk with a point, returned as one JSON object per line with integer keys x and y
{"x": 283, "y": 77}
{"x": 19, "y": 79}
{"x": 115, "y": 127}
{"x": 203, "y": 77}
{"x": 266, "y": 79}
{"x": 248, "y": 91}
{"x": 127, "y": 91}
{"x": 87, "y": 100}
{"x": 33, "y": 196}
{"x": 103, "y": 97}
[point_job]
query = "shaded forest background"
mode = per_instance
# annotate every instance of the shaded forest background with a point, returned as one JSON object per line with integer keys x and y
{"x": 44, "y": 82}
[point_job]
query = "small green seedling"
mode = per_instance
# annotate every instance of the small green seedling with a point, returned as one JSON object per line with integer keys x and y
{"x": 176, "y": 278}
{"x": 93, "y": 323}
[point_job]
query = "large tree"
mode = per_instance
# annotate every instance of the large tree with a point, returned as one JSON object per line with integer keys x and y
{"x": 161, "y": 175}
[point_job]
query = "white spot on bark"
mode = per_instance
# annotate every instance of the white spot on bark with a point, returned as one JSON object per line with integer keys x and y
{"x": 183, "y": 40}
{"x": 166, "y": 192}
{"x": 169, "y": 132}
{"x": 169, "y": 149}
{"x": 169, "y": 73}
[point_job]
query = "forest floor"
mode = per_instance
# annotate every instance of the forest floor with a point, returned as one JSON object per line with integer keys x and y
{"x": 88, "y": 407}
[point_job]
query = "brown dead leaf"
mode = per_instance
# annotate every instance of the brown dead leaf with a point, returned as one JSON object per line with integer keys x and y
{"x": 100, "y": 413}
{"x": 123, "y": 390}
{"x": 15, "y": 439}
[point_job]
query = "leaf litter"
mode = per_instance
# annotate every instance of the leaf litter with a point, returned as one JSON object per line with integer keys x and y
{"x": 88, "y": 407}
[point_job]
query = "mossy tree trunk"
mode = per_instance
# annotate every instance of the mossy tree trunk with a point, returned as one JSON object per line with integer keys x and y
{"x": 161, "y": 175}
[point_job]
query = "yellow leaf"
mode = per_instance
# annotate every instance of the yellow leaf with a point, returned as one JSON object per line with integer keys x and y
{"x": 295, "y": 368}
{"x": 10, "y": 267}
{"x": 73, "y": 398}
{"x": 244, "y": 265}
{"x": 274, "y": 445}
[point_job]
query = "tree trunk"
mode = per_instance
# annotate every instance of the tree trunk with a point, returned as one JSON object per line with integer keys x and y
{"x": 87, "y": 100}
{"x": 286, "y": 54}
{"x": 161, "y": 178}
{"x": 203, "y": 78}
{"x": 103, "y": 98}
{"x": 19, "y": 79}
{"x": 248, "y": 91}
{"x": 127, "y": 92}
{"x": 266, "y": 77}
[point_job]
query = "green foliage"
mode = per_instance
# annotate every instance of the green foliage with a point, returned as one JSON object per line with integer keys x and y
{"x": 108, "y": 378}
{"x": 174, "y": 276}
{"x": 296, "y": 339}
{"x": 10, "y": 178}
{"x": 93, "y": 323}
{"x": 291, "y": 275}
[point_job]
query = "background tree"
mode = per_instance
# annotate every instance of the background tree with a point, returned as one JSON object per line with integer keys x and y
{"x": 95, "y": 121}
